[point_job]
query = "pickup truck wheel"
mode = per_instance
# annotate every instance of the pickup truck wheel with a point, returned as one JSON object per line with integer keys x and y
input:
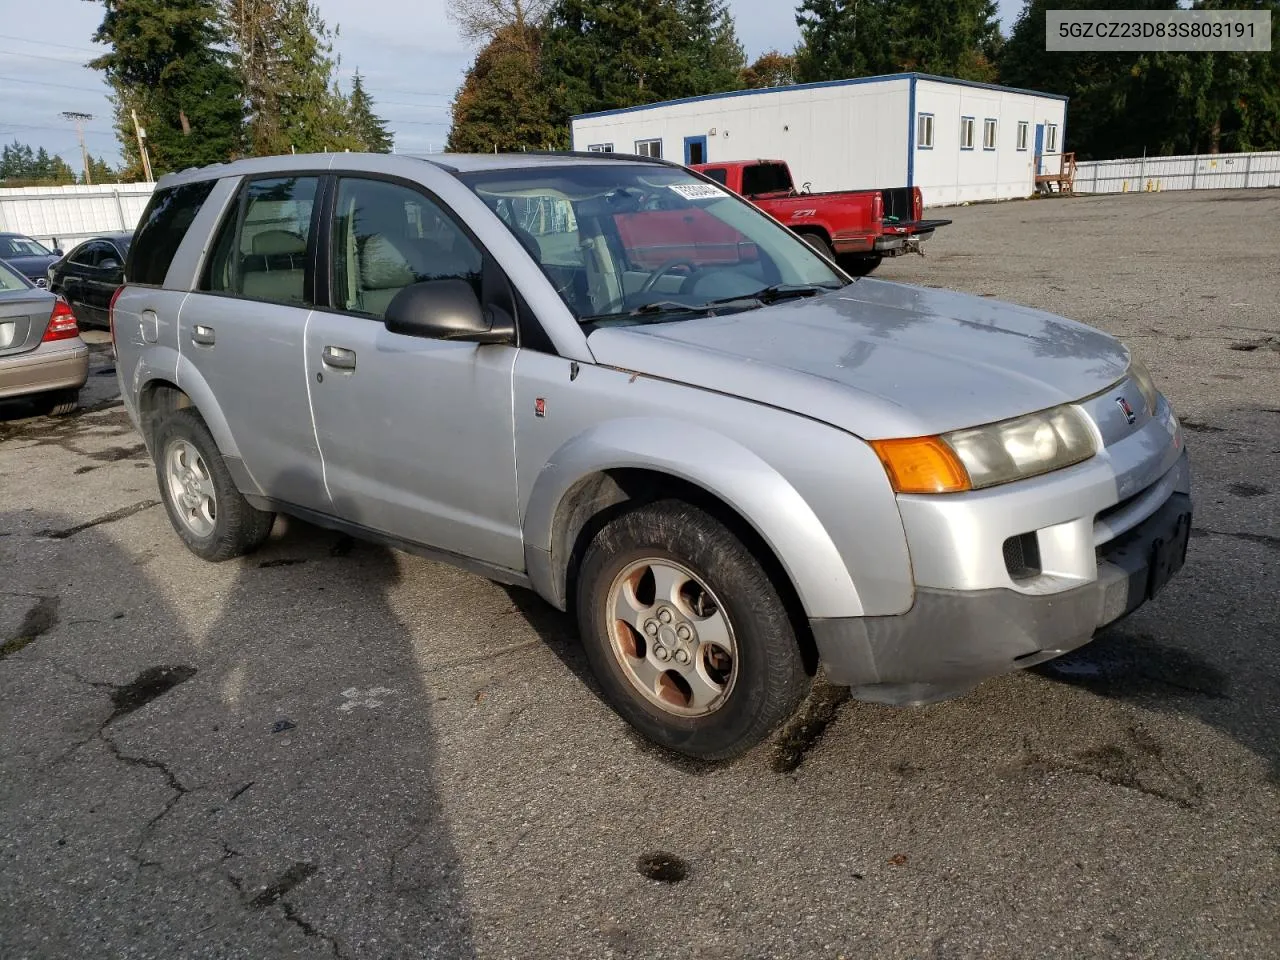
{"x": 686, "y": 632}
{"x": 819, "y": 244}
{"x": 210, "y": 515}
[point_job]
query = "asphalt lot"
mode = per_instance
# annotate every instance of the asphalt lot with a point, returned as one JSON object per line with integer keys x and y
{"x": 331, "y": 749}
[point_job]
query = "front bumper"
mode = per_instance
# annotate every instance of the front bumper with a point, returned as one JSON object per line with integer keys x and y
{"x": 60, "y": 365}
{"x": 951, "y": 640}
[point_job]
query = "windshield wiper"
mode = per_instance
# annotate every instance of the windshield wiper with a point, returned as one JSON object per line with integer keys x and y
{"x": 782, "y": 291}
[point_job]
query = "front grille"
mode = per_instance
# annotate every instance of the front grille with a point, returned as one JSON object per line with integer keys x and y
{"x": 1022, "y": 556}
{"x": 1117, "y": 508}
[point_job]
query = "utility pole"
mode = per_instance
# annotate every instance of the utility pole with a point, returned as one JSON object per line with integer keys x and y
{"x": 79, "y": 119}
{"x": 142, "y": 146}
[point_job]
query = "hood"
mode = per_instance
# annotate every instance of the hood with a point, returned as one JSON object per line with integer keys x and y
{"x": 879, "y": 359}
{"x": 32, "y": 267}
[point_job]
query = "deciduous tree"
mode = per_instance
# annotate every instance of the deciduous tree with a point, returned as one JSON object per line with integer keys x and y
{"x": 503, "y": 104}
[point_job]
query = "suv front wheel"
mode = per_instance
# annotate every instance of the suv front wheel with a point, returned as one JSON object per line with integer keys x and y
{"x": 210, "y": 515}
{"x": 686, "y": 632}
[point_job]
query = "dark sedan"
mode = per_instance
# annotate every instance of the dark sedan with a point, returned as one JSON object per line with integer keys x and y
{"x": 88, "y": 276}
{"x": 28, "y": 257}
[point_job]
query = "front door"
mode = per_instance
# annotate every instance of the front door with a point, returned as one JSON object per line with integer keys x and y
{"x": 243, "y": 333}
{"x": 695, "y": 151}
{"x": 416, "y": 434}
{"x": 101, "y": 284}
{"x": 1039, "y": 149}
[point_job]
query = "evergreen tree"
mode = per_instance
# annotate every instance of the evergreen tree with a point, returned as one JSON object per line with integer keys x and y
{"x": 21, "y": 166}
{"x": 717, "y": 58}
{"x": 854, "y": 38}
{"x": 502, "y": 103}
{"x": 168, "y": 60}
{"x": 367, "y": 127}
{"x": 101, "y": 171}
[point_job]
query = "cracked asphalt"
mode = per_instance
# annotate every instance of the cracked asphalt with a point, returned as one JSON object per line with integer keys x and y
{"x": 333, "y": 750}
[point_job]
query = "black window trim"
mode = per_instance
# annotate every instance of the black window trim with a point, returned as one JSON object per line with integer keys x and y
{"x": 492, "y": 274}
{"x": 236, "y": 208}
{"x": 71, "y": 257}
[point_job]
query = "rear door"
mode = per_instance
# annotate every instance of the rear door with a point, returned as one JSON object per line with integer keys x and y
{"x": 416, "y": 433}
{"x": 244, "y": 332}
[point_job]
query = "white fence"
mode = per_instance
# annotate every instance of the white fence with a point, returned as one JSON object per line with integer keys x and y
{"x": 1210, "y": 171}
{"x": 62, "y": 216}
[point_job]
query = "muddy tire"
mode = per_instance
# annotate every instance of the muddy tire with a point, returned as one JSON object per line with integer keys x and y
{"x": 60, "y": 402}
{"x": 819, "y": 244}
{"x": 210, "y": 515}
{"x": 686, "y": 632}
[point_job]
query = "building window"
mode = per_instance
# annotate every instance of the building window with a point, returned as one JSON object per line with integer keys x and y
{"x": 1022, "y": 134}
{"x": 1051, "y": 138}
{"x": 600, "y": 148}
{"x": 966, "y": 133}
{"x": 988, "y": 134}
{"x": 924, "y": 131}
{"x": 649, "y": 148}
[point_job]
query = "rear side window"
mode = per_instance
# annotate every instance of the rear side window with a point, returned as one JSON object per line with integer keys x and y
{"x": 263, "y": 253}
{"x": 164, "y": 224}
{"x": 766, "y": 178}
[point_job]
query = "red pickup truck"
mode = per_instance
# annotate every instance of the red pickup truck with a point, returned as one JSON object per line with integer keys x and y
{"x": 858, "y": 228}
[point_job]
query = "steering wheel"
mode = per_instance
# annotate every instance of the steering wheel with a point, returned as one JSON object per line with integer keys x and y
{"x": 662, "y": 271}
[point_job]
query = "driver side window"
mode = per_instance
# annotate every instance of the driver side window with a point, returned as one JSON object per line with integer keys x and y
{"x": 387, "y": 236}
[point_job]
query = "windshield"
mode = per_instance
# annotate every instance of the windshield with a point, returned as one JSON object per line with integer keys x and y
{"x": 622, "y": 241}
{"x": 21, "y": 247}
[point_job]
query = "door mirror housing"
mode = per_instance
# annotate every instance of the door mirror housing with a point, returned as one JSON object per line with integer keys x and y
{"x": 57, "y": 252}
{"x": 447, "y": 310}
{"x": 109, "y": 265}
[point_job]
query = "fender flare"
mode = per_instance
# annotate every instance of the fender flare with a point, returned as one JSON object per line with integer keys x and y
{"x": 711, "y": 461}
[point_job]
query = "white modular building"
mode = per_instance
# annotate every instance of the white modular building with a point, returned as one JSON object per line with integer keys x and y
{"x": 957, "y": 140}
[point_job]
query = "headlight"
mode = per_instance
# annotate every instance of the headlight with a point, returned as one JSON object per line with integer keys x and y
{"x": 1140, "y": 375}
{"x": 1023, "y": 447}
{"x": 986, "y": 456}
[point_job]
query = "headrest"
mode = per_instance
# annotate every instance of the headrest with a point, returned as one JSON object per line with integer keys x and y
{"x": 278, "y": 241}
{"x": 383, "y": 266}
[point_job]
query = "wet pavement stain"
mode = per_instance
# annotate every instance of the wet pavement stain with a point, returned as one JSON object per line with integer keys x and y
{"x": 663, "y": 867}
{"x": 150, "y": 684}
{"x": 298, "y": 873}
{"x": 803, "y": 731}
{"x": 1247, "y": 489}
{"x": 39, "y": 620}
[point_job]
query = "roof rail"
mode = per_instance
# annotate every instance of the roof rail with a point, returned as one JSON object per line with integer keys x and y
{"x": 597, "y": 155}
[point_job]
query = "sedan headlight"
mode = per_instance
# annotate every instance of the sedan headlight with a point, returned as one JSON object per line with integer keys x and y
{"x": 1141, "y": 376}
{"x": 979, "y": 457}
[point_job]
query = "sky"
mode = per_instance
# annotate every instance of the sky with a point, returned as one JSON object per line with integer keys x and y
{"x": 408, "y": 51}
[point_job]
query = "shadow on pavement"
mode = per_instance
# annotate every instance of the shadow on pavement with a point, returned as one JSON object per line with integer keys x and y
{"x": 245, "y": 772}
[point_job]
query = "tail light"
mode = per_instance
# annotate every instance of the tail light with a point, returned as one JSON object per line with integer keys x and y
{"x": 62, "y": 323}
{"x": 877, "y": 206}
{"x": 917, "y": 204}
{"x": 111, "y": 317}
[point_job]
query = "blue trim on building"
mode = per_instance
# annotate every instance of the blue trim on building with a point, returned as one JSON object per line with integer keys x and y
{"x": 911, "y": 134}
{"x": 853, "y": 81}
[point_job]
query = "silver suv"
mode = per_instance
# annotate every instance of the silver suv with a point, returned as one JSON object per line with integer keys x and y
{"x": 613, "y": 382}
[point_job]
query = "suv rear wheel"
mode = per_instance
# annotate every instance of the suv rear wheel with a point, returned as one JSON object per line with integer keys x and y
{"x": 686, "y": 632}
{"x": 210, "y": 515}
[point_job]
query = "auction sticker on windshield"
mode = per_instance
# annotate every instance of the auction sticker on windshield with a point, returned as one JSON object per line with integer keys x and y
{"x": 698, "y": 191}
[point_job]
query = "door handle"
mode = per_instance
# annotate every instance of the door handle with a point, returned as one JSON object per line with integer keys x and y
{"x": 202, "y": 335}
{"x": 339, "y": 358}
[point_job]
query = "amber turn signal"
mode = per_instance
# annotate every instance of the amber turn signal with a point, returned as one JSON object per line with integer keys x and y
{"x": 922, "y": 465}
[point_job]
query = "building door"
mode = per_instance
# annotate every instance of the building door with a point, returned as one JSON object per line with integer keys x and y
{"x": 1039, "y": 149}
{"x": 695, "y": 151}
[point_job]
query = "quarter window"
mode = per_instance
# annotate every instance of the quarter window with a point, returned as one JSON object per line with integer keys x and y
{"x": 265, "y": 257}
{"x": 164, "y": 225}
{"x": 924, "y": 131}
{"x": 988, "y": 134}
{"x": 966, "y": 133}
{"x": 386, "y": 237}
{"x": 649, "y": 148}
{"x": 1022, "y": 134}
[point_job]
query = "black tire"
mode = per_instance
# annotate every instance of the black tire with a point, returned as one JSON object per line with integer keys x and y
{"x": 819, "y": 244}
{"x": 238, "y": 528}
{"x": 60, "y": 402}
{"x": 860, "y": 266}
{"x": 771, "y": 679}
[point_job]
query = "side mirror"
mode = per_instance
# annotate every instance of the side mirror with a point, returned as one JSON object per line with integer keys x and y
{"x": 57, "y": 252}
{"x": 109, "y": 265}
{"x": 447, "y": 310}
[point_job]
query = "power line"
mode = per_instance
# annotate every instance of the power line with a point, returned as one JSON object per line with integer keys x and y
{"x": 49, "y": 83}
{"x": 7, "y": 124}
{"x": 37, "y": 56}
{"x": 45, "y": 43}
